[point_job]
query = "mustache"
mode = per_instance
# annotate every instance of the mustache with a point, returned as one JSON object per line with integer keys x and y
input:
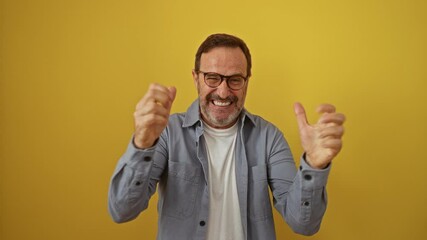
{"x": 213, "y": 96}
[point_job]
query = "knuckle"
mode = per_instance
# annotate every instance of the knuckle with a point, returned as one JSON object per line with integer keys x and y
{"x": 152, "y": 86}
{"x": 150, "y": 119}
{"x": 135, "y": 114}
{"x": 139, "y": 104}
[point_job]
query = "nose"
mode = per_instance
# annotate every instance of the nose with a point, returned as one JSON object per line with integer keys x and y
{"x": 222, "y": 90}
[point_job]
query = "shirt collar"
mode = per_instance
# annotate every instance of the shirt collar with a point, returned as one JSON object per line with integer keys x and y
{"x": 192, "y": 115}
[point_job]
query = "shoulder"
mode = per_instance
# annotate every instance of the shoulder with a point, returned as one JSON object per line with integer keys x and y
{"x": 259, "y": 123}
{"x": 176, "y": 119}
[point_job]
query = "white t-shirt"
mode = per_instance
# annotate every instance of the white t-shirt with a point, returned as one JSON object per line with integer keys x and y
{"x": 224, "y": 221}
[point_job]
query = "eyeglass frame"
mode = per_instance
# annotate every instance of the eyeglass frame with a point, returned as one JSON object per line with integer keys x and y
{"x": 222, "y": 79}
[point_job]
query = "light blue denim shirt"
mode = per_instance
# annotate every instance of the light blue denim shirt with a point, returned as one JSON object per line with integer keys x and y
{"x": 178, "y": 164}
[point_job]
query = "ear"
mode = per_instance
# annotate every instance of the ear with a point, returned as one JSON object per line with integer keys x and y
{"x": 195, "y": 78}
{"x": 247, "y": 84}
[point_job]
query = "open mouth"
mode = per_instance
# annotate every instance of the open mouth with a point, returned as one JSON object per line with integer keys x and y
{"x": 221, "y": 103}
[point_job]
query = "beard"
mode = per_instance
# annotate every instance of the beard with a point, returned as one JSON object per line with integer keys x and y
{"x": 212, "y": 118}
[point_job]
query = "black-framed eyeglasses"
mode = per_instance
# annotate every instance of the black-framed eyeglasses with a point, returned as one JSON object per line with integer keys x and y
{"x": 213, "y": 80}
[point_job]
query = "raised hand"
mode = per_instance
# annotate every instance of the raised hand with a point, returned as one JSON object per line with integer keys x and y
{"x": 152, "y": 114}
{"x": 322, "y": 140}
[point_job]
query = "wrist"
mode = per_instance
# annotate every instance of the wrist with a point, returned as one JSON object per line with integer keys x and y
{"x": 141, "y": 144}
{"x": 313, "y": 163}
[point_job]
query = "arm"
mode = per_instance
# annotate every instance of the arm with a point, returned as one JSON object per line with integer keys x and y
{"x": 138, "y": 171}
{"x": 299, "y": 196}
{"x": 135, "y": 180}
{"x": 303, "y": 203}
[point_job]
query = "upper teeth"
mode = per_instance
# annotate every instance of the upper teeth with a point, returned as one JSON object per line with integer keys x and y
{"x": 219, "y": 103}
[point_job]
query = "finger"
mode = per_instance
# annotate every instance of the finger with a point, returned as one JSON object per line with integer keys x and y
{"x": 172, "y": 93}
{"x": 333, "y": 132}
{"x": 153, "y": 120}
{"x": 151, "y": 108}
{"x": 300, "y": 115}
{"x": 158, "y": 96}
{"x": 337, "y": 118}
{"x": 158, "y": 87}
{"x": 161, "y": 97}
{"x": 325, "y": 108}
{"x": 333, "y": 143}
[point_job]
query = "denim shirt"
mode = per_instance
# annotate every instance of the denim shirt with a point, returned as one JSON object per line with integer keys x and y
{"x": 177, "y": 163}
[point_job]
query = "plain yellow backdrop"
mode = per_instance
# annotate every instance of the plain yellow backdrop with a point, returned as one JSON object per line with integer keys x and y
{"x": 73, "y": 71}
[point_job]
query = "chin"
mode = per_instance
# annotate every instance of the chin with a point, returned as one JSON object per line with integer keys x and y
{"x": 224, "y": 122}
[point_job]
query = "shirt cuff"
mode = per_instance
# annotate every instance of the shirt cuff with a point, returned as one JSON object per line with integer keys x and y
{"x": 312, "y": 178}
{"x": 136, "y": 157}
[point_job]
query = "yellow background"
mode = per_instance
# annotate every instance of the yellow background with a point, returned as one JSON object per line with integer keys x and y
{"x": 72, "y": 72}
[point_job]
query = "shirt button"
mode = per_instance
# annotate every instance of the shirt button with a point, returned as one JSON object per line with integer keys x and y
{"x": 307, "y": 177}
{"x": 306, "y": 204}
{"x": 138, "y": 183}
{"x": 202, "y": 223}
{"x": 147, "y": 158}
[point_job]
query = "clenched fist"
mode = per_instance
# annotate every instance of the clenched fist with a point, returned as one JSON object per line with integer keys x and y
{"x": 321, "y": 141}
{"x": 152, "y": 114}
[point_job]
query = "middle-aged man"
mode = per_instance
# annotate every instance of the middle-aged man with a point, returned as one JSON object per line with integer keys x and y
{"x": 215, "y": 163}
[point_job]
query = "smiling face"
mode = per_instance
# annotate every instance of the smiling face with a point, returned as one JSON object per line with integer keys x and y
{"x": 220, "y": 107}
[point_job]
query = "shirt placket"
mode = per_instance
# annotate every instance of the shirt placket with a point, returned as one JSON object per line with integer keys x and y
{"x": 203, "y": 215}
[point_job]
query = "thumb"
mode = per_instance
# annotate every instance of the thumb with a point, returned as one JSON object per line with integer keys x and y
{"x": 300, "y": 114}
{"x": 172, "y": 93}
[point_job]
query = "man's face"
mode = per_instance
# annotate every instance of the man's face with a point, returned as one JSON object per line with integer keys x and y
{"x": 220, "y": 107}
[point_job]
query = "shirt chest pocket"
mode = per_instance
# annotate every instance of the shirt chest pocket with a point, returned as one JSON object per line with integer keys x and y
{"x": 180, "y": 190}
{"x": 259, "y": 206}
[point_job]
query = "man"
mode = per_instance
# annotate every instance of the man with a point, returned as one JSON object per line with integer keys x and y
{"x": 215, "y": 163}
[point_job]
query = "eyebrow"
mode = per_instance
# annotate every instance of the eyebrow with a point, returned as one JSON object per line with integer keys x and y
{"x": 234, "y": 74}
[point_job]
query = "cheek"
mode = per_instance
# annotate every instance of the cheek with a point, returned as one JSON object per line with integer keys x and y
{"x": 202, "y": 94}
{"x": 242, "y": 95}
{"x": 244, "y": 92}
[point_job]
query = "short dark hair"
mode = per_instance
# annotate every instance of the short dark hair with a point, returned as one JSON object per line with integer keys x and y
{"x": 223, "y": 40}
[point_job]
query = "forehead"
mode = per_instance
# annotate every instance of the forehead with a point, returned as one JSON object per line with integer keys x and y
{"x": 224, "y": 60}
